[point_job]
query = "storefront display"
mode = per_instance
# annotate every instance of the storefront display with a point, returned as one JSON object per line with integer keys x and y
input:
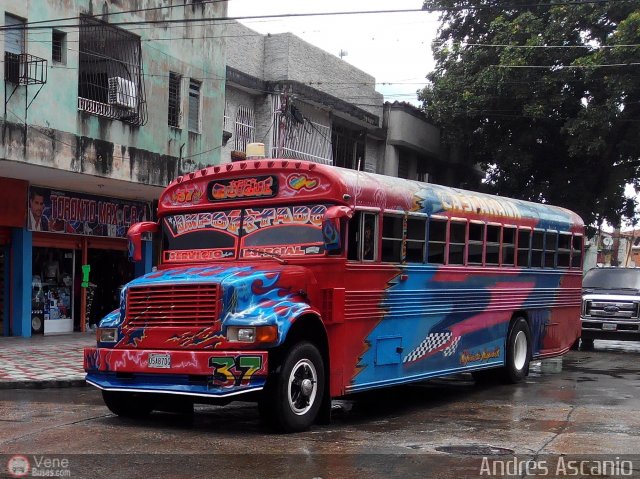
{"x": 52, "y": 291}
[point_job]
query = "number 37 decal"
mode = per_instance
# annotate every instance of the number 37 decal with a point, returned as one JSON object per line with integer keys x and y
{"x": 234, "y": 371}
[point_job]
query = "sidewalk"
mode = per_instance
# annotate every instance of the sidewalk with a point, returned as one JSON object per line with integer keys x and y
{"x": 43, "y": 361}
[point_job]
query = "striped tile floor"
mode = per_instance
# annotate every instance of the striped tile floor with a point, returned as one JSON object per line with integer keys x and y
{"x": 55, "y": 358}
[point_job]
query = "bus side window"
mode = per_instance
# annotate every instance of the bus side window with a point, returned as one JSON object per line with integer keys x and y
{"x": 457, "y": 241}
{"x": 492, "y": 253}
{"x": 576, "y": 251}
{"x": 476, "y": 242}
{"x": 369, "y": 237}
{"x": 564, "y": 250}
{"x": 353, "y": 236}
{"x": 537, "y": 248}
{"x": 508, "y": 246}
{"x": 524, "y": 245}
{"x": 437, "y": 240}
{"x": 392, "y": 235}
{"x": 416, "y": 231}
{"x": 362, "y": 237}
{"x": 550, "y": 248}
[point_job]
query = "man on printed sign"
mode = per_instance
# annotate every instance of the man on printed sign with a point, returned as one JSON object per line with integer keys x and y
{"x": 37, "y": 220}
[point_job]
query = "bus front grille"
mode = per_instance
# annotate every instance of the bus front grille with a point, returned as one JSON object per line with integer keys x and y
{"x": 171, "y": 305}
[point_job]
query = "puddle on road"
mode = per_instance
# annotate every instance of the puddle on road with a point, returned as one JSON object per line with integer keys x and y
{"x": 475, "y": 450}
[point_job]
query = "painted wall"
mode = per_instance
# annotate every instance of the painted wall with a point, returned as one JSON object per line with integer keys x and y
{"x": 60, "y": 136}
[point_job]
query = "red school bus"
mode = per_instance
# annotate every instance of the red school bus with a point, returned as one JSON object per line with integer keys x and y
{"x": 293, "y": 283}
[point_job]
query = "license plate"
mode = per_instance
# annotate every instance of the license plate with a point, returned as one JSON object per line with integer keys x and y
{"x": 160, "y": 361}
{"x": 609, "y": 326}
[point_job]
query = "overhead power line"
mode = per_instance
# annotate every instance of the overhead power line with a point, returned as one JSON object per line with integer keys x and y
{"x": 123, "y": 12}
{"x": 562, "y": 67}
{"x": 508, "y": 45}
{"x": 312, "y": 14}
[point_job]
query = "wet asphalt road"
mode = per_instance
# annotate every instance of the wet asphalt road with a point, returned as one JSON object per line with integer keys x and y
{"x": 440, "y": 428}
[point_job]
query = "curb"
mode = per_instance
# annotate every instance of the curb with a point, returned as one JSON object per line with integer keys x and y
{"x": 43, "y": 384}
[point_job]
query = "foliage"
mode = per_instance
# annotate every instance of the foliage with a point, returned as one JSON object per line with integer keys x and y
{"x": 568, "y": 134}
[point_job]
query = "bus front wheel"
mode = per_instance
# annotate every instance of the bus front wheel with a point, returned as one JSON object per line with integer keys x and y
{"x": 293, "y": 396}
{"x": 518, "y": 351}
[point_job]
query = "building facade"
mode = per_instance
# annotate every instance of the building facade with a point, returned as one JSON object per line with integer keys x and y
{"x": 303, "y": 102}
{"x": 300, "y": 101}
{"x": 101, "y": 111}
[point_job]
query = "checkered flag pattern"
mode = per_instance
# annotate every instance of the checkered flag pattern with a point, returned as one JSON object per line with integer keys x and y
{"x": 452, "y": 347}
{"x": 434, "y": 342}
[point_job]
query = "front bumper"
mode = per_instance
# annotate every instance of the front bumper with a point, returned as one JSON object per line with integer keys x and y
{"x": 193, "y": 373}
{"x": 610, "y": 329}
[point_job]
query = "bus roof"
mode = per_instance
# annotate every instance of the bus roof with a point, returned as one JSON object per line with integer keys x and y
{"x": 272, "y": 182}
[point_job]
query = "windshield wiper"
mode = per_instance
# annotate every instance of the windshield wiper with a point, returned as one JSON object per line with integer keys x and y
{"x": 275, "y": 256}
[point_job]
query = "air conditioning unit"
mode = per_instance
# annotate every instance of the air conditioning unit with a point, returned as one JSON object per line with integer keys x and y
{"x": 123, "y": 93}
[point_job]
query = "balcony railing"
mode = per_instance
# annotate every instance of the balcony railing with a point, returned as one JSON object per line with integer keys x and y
{"x": 24, "y": 69}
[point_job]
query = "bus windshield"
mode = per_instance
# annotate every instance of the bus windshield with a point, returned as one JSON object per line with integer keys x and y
{"x": 255, "y": 232}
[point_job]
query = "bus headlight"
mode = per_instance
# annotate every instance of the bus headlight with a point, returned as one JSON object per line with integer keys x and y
{"x": 252, "y": 334}
{"x": 107, "y": 335}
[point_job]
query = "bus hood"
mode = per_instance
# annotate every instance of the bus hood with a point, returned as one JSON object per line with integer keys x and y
{"x": 250, "y": 295}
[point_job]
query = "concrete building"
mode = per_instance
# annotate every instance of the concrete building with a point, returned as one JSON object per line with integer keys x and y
{"x": 300, "y": 101}
{"x": 303, "y": 102}
{"x": 99, "y": 116}
{"x": 413, "y": 150}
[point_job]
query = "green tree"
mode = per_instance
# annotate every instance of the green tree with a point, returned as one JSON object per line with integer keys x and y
{"x": 567, "y": 132}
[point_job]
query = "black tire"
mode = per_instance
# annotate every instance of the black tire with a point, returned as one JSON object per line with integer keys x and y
{"x": 586, "y": 344}
{"x": 37, "y": 324}
{"x": 130, "y": 405}
{"x": 518, "y": 358}
{"x": 295, "y": 391}
{"x": 576, "y": 345}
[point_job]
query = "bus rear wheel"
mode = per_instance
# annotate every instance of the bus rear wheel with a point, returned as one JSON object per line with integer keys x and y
{"x": 293, "y": 396}
{"x": 518, "y": 352}
{"x": 130, "y": 405}
{"x": 518, "y": 356}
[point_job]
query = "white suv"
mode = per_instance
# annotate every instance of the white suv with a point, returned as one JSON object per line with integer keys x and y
{"x": 610, "y": 304}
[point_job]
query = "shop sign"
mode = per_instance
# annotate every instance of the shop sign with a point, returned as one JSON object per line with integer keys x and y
{"x": 82, "y": 214}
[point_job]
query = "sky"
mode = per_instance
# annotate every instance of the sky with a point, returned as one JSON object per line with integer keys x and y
{"x": 394, "y": 48}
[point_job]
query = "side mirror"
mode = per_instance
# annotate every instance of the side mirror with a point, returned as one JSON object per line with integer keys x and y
{"x": 134, "y": 235}
{"x": 331, "y": 226}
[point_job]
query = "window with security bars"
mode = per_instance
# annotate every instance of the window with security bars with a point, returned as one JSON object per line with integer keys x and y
{"x": 348, "y": 148}
{"x": 59, "y": 46}
{"x": 194, "y": 106}
{"x": 403, "y": 168}
{"x": 244, "y": 128}
{"x": 110, "y": 72}
{"x": 174, "y": 113}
